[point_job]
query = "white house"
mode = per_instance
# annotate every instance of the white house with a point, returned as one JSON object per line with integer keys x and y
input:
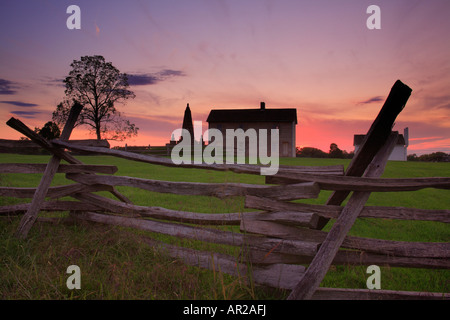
{"x": 399, "y": 153}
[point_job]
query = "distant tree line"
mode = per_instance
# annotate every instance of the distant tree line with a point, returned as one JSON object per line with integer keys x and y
{"x": 334, "y": 152}
{"x": 430, "y": 157}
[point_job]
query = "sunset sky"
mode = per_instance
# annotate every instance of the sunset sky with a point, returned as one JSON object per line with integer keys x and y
{"x": 316, "y": 56}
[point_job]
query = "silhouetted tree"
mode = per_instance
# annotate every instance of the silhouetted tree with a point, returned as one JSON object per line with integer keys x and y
{"x": 49, "y": 131}
{"x": 98, "y": 86}
{"x": 335, "y": 152}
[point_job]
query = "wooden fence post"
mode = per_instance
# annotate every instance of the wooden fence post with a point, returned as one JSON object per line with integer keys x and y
{"x": 318, "y": 268}
{"x": 44, "y": 143}
{"x": 30, "y": 216}
{"x": 58, "y": 151}
{"x": 374, "y": 139}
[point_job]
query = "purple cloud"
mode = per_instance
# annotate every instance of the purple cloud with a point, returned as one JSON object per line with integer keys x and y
{"x": 7, "y": 87}
{"x": 26, "y": 114}
{"x": 153, "y": 78}
{"x": 141, "y": 79}
{"x": 20, "y": 104}
{"x": 57, "y": 82}
{"x": 371, "y": 100}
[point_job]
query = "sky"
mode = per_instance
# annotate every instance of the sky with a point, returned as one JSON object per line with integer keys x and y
{"x": 316, "y": 56}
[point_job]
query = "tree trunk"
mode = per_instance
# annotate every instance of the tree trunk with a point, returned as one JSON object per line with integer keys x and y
{"x": 97, "y": 131}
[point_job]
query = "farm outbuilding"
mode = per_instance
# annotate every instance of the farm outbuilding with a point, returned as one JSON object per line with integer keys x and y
{"x": 399, "y": 153}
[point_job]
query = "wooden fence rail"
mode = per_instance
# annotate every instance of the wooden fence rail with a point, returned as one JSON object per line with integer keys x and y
{"x": 275, "y": 241}
{"x": 280, "y": 243}
{"x": 62, "y": 168}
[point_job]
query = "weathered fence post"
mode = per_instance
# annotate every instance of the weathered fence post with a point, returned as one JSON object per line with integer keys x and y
{"x": 335, "y": 237}
{"x": 30, "y": 216}
{"x": 374, "y": 139}
{"x": 375, "y": 149}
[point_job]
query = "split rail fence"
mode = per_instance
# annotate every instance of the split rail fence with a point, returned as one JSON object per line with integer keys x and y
{"x": 281, "y": 243}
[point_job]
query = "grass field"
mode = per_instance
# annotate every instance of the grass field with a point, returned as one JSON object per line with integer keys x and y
{"x": 116, "y": 264}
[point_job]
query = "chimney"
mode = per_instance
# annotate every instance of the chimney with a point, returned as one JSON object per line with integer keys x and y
{"x": 406, "y": 136}
{"x": 263, "y": 105}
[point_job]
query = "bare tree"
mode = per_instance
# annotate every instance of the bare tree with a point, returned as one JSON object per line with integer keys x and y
{"x": 98, "y": 86}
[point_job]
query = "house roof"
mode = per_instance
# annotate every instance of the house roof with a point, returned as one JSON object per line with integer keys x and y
{"x": 358, "y": 139}
{"x": 253, "y": 115}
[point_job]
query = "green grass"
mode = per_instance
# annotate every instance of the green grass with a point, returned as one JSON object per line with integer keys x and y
{"x": 116, "y": 264}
